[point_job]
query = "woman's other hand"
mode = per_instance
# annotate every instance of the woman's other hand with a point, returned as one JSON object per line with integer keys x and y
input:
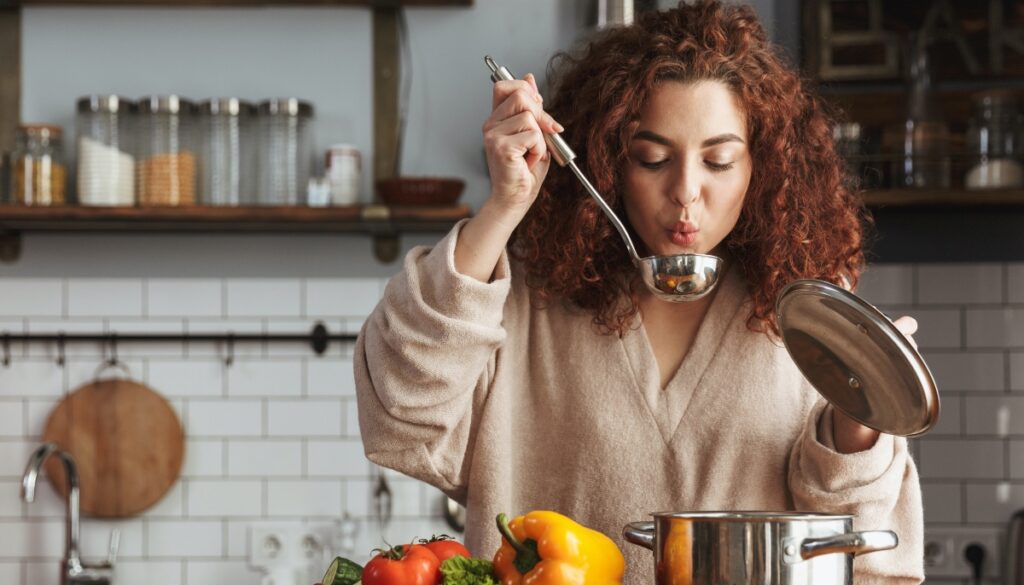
{"x": 517, "y": 156}
{"x": 849, "y": 435}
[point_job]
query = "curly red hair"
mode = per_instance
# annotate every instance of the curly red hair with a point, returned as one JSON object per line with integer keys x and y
{"x": 800, "y": 219}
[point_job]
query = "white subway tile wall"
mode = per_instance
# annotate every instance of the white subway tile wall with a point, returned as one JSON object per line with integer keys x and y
{"x": 972, "y": 336}
{"x": 1015, "y": 283}
{"x": 106, "y": 297}
{"x": 275, "y": 436}
{"x": 31, "y": 297}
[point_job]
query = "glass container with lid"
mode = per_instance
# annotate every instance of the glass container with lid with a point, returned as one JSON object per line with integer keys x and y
{"x": 106, "y": 166}
{"x": 993, "y": 142}
{"x": 920, "y": 145}
{"x": 167, "y": 165}
{"x": 38, "y": 174}
{"x": 920, "y": 154}
{"x": 228, "y": 152}
{"x": 285, "y": 151}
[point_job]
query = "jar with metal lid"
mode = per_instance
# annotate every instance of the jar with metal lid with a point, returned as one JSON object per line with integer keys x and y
{"x": 228, "y": 167}
{"x": 38, "y": 174}
{"x": 167, "y": 164}
{"x": 286, "y": 151}
{"x": 993, "y": 142}
{"x": 106, "y": 166}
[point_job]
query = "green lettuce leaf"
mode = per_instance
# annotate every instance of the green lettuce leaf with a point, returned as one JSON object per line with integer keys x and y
{"x": 463, "y": 571}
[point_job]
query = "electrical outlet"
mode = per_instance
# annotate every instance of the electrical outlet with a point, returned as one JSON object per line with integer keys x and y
{"x": 944, "y": 551}
{"x": 290, "y": 544}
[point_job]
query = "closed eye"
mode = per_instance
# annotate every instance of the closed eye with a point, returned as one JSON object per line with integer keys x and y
{"x": 719, "y": 167}
{"x": 653, "y": 165}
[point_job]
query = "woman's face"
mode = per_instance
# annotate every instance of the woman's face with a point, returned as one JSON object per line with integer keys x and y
{"x": 689, "y": 167}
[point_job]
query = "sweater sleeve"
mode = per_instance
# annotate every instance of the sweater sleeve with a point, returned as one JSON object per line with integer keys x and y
{"x": 879, "y": 487}
{"x": 423, "y": 362}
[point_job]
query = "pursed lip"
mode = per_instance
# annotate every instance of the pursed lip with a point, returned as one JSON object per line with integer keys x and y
{"x": 684, "y": 227}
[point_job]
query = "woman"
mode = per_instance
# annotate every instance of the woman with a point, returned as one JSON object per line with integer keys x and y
{"x": 547, "y": 377}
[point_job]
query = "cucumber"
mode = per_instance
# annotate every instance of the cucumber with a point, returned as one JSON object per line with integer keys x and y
{"x": 343, "y": 572}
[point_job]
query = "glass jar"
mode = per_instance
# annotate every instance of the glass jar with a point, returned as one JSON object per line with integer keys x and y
{"x": 106, "y": 167}
{"x": 920, "y": 154}
{"x": 227, "y": 148}
{"x": 38, "y": 174}
{"x": 167, "y": 161}
{"x": 992, "y": 142}
{"x": 5, "y": 178}
{"x": 286, "y": 151}
{"x": 343, "y": 166}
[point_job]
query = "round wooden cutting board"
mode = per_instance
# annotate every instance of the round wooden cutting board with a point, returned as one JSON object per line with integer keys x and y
{"x": 126, "y": 440}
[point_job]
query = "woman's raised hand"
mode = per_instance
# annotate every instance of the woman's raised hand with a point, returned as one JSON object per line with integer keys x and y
{"x": 517, "y": 156}
{"x": 518, "y": 160}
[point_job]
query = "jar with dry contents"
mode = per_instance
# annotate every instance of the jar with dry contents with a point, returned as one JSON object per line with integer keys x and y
{"x": 38, "y": 174}
{"x": 167, "y": 163}
{"x": 106, "y": 166}
{"x": 993, "y": 145}
{"x": 285, "y": 151}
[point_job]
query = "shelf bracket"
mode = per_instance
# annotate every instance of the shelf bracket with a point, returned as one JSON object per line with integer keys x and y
{"x": 386, "y": 247}
{"x": 387, "y": 71}
{"x": 10, "y": 246}
{"x": 385, "y": 238}
{"x": 10, "y": 73}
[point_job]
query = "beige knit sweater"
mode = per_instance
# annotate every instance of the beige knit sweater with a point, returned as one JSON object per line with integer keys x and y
{"x": 510, "y": 408}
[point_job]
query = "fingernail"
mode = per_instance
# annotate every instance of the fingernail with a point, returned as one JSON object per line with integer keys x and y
{"x": 559, "y": 128}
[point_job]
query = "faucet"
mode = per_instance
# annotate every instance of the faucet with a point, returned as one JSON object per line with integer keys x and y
{"x": 74, "y": 572}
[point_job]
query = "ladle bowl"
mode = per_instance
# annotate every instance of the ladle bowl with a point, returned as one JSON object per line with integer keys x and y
{"x": 680, "y": 278}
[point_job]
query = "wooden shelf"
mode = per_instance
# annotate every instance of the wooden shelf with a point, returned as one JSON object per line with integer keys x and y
{"x": 194, "y": 3}
{"x": 950, "y": 197}
{"x": 385, "y": 224}
{"x": 355, "y": 219}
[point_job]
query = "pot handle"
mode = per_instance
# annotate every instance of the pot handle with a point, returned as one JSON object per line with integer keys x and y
{"x": 851, "y": 543}
{"x": 640, "y": 533}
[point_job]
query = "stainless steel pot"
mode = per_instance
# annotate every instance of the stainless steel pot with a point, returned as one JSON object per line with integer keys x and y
{"x": 754, "y": 548}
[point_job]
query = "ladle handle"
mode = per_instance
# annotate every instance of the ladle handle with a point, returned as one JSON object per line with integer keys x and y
{"x": 564, "y": 156}
{"x": 560, "y": 151}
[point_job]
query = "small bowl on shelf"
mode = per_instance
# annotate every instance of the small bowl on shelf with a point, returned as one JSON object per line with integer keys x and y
{"x": 429, "y": 191}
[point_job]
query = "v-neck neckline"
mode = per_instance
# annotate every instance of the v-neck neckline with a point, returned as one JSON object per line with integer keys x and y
{"x": 669, "y": 405}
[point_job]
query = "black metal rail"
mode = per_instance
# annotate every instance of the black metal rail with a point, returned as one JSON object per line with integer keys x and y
{"x": 319, "y": 338}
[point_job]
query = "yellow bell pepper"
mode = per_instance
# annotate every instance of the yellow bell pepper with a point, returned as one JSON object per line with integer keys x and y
{"x": 547, "y": 548}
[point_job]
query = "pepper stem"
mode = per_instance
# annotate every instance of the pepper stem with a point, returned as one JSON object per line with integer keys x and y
{"x": 527, "y": 556}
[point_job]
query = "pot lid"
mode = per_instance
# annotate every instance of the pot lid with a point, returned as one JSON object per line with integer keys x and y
{"x": 856, "y": 358}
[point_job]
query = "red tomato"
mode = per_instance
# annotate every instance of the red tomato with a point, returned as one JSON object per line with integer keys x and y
{"x": 446, "y": 547}
{"x": 410, "y": 564}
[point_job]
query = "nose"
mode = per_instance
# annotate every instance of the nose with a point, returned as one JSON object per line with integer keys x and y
{"x": 686, "y": 187}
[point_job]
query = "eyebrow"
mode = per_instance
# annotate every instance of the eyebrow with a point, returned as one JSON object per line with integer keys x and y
{"x": 713, "y": 141}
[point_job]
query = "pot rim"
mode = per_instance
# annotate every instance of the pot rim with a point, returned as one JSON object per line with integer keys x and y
{"x": 753, "y": 516}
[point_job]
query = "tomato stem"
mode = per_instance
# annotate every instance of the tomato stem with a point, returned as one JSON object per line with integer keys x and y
{"x": 394, "y": 553}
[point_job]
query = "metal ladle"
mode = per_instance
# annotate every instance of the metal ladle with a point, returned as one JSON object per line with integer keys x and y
{"x": 678, "y": 278}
